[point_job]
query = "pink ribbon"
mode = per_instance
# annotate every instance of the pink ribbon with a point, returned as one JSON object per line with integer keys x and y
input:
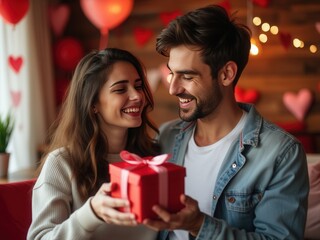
{"x": 152, "y": 162}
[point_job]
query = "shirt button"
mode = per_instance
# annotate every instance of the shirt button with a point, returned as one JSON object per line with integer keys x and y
{"x": 234, "y": 165}
{"x": 231, "y": 199}
{"x": 214, "y": 197}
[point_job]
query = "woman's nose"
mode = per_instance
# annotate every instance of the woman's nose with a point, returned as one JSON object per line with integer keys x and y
{"x": 134, "y": 94}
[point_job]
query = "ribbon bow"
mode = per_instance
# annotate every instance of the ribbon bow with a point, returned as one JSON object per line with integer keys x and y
{"x": 152, "y": 162}
{"x": 136, "y": 160}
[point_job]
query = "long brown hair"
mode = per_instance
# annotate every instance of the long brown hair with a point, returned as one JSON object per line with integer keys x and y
{"x": 77, "y": 129}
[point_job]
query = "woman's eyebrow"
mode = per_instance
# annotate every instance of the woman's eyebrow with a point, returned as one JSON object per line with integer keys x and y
{"x": 119, "y": 82}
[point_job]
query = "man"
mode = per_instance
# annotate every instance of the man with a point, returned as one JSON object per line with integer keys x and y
{"x": 246, "y": 178}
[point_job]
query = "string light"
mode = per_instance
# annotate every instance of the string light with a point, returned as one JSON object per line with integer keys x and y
{"x": 274, "y": 30}
{"x": 256, "y": 21}
{"x": 254, "y": 50}
{"x": 265, "y": 27}
{"x": 263, "y": 38}
{"x": 313, "y": 48}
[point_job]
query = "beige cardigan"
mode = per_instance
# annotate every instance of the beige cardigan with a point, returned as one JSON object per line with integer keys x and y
{"x": 59, "y": 213}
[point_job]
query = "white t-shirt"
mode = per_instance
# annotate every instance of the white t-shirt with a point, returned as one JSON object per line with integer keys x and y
{"x": 202, "y": 165}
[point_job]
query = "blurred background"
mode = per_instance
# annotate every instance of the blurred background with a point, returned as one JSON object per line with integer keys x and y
{"x": 39, "y": 52}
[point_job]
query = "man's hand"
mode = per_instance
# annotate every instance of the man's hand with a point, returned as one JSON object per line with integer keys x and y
{"x": 189, "y": 218}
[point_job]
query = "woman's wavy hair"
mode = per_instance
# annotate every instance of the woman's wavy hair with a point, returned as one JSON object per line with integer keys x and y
{"x": 210, "y": 29}
{"x": 77, "y": 130}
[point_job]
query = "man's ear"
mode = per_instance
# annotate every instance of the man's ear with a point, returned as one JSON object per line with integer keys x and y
{"x": 228, "y": 73}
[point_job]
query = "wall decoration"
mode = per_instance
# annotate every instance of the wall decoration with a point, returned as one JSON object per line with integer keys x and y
{"x": 13, "y": 11}
{"x": 15, "y": 98}
{"x": 67, "y": 53}
{"x": 261, "y": 3}
{"x": 142, "y": 35}
{"x": 106, "y": 15}
{"x": 298, "y": 104}
{"x": 286, "y": 39}
{"x": 15, "y": 63}
{"x": 167, "y": 17}
{"x": 246, "y": 95}
{"x": 58, "y": 18}
{"x": 292, "y": 126}
{"x": 226, "y": 5}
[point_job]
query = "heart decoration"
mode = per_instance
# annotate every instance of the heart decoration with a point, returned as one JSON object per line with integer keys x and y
{"x": 249, "y": 95}
{"x": 261, "y": 3}
{"x": 15, "y": 63}
{"x": 58, "y": 18}
{"x": 167, "y": 17}
{"x": 142, "y": 35}
{"x": 293, "y": 126}
{"x": 318, "y": 87}
{"x": 226, "y": 5}
{"x": 15, "y": 98}
{"x": 298, "y": 104}
{"x": 285, "y": 39}
{"x": 317, "y": 25}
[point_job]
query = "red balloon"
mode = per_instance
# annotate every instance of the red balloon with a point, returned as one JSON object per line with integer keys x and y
{"x": 13, "y": 10}
{"x": 67, "y": 53}
{"x": 106, "y": 14}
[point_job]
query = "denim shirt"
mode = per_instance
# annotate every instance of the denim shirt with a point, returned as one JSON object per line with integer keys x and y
{"x": 262, "y": 187}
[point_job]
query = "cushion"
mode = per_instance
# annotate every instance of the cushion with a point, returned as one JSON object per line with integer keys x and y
{"x": 15, "y": 204}
{"x": 312, "y": 230}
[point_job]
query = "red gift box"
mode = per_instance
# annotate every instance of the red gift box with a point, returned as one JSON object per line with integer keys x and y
{"x": 146, "y": 184}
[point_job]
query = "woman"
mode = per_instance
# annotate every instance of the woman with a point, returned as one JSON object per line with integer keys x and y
{"x": 105, "y": 112}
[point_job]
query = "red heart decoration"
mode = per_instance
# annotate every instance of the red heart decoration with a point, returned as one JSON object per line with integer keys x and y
{"x": 13, "y": 10}
{"x": 15, "y": 63}
{"x": 249, "y": 95}
{"x": 226, "y": 5}
{"x": 294, "y": 126}
{"x": 15, "y": 98}
{"x": 261, "y": 3}
{"x": 167, "y": 17}
{"x": 58, "y": 17}
{"x": 318, "y": 86}
{"x": 142, "y": 35}
{"x": 285, "y": 39}
{"x": 298, "y": 104}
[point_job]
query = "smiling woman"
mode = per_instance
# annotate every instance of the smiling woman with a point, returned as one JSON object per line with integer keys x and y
{"x": 105, "y": 112}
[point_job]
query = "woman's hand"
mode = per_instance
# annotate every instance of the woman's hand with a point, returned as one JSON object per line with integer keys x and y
{"x": 105, "y": 207}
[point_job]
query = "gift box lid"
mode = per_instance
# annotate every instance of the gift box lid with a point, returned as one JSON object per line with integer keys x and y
{"x": 143, "y": 171}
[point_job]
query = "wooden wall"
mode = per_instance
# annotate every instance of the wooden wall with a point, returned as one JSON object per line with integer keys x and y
{"x": 272, "y": 73}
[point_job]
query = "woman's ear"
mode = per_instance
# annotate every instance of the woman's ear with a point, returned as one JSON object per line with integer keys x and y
{"x": 94, "y": 109}
{"x": 228, "y": 73}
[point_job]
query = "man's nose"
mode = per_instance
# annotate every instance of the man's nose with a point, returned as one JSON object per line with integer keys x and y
{"x": 174, "y": 86}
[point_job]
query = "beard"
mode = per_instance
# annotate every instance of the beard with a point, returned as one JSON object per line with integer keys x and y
{"x": 204, "y": 106}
